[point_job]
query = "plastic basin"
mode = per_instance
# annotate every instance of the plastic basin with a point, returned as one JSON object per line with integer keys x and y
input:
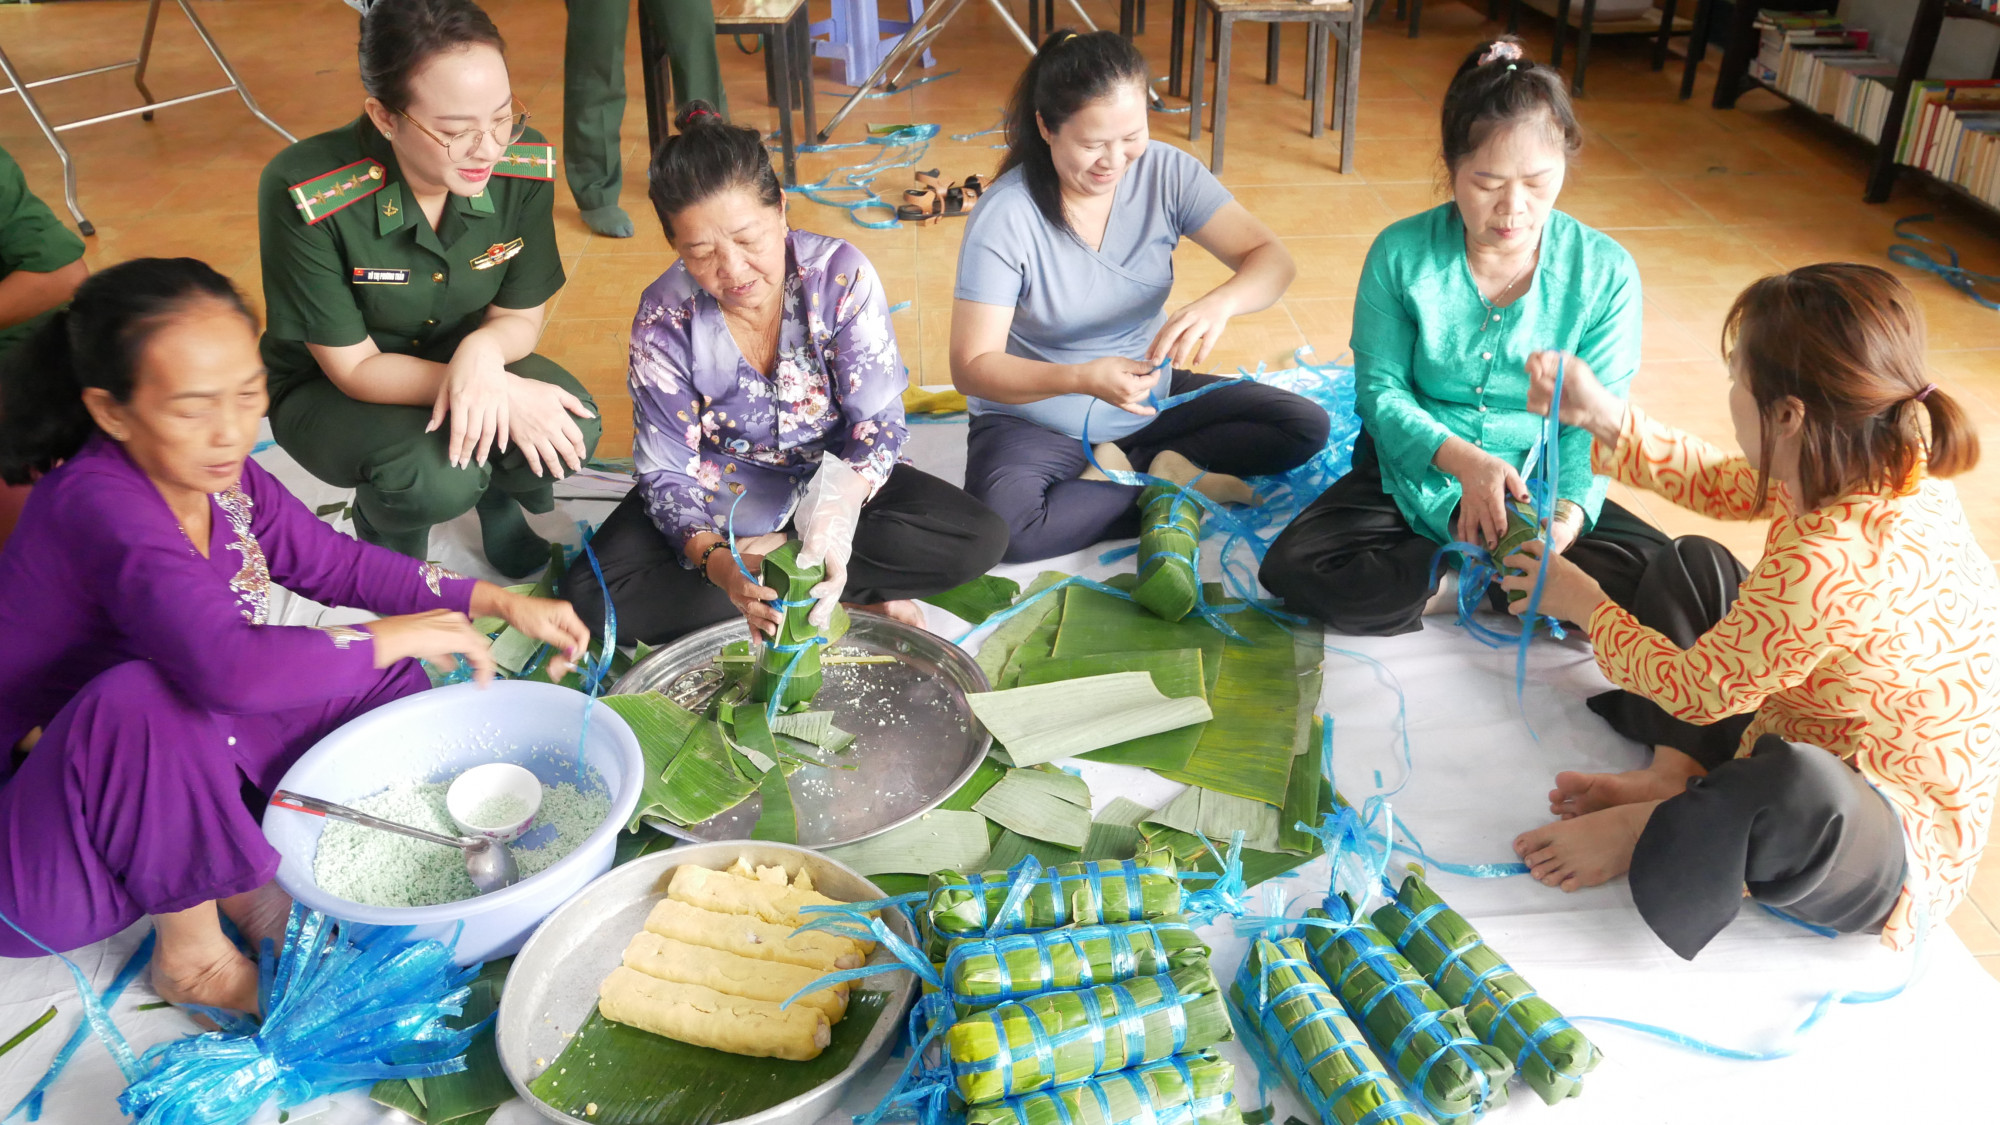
{"x": 432, "y": 736}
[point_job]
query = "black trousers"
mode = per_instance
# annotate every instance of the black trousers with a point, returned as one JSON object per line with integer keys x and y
{"x": 1685, "y": 590}
{"x": 1352, "y": 561}
{"x": 919, "y": 536}
{"x": 1029, "y": 474}
{"x": 1804, "y": 832}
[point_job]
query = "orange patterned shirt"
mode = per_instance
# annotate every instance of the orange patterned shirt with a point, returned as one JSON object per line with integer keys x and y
{"x": 1869, "y": 628}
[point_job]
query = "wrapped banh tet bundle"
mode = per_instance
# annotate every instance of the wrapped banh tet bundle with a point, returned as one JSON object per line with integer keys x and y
{"x": 1191, "y": 1089}
{"x": 1311, "y": 1038}
{"x": 1062, "y": 1037}
{"x": 1082, "y": 893}
{"x": 982, "y": 972}
{"x": 1169, "y": 534}
{"x": 1425, "y": 1040}
{"x": 1551, "y": 1055}
{"x": 793, "y": 656}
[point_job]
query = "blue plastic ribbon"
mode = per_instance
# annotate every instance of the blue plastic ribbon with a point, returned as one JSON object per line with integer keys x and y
{"x": 913, "y": 141}
{"x": 96, "y": 1020}
{"x": 1957, "y": 276}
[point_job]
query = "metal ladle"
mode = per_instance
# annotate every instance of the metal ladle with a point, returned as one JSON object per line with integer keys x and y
{"x": 489, "y": 863}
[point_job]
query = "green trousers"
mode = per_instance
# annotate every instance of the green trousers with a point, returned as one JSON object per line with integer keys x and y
{"x": 594, "y": 82}
{"x": 401, "y": 479}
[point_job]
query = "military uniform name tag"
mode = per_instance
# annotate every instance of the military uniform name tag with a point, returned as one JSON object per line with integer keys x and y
{"x": 496, "y": 253}
{"x": 365, "y": 276}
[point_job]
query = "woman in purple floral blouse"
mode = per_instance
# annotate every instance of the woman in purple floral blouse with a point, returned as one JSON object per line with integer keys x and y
{"x": 759, "y": 358}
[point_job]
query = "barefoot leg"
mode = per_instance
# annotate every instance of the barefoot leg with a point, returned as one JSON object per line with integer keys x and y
{"x": 1219, "y": 487}
{"x": 1576, "y": 794}
{"x": 1585, "y": 851}
{"x": 905, "y": 611}
{"x": 260, "y": 915}
{"x": 195, "y": 964}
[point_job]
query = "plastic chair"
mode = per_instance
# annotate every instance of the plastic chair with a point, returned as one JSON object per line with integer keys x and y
{"x": 858, "y": 37}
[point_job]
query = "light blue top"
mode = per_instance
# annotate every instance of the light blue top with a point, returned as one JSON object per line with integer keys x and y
{"x": 1431, "y": 360}
{"x": 1073, "y": 304}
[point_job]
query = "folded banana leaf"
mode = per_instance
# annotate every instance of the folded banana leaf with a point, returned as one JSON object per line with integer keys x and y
{"x": 615, "y": 1074}
{"x": 1012, "y": 847}
{"x": 662, "y": 728}
{"x": 1305, "y": 1033}
{"x": 1504, "y": 1010}
{"x": 1190, "y": 1089}
{"x": 1453, "y": 1074}
{"x": 1041, "y": 804}
{"x": 1522, "y": 526}
{"x": 1088, "y": 892}
{"x": 978, "y": 599}
{"x": 941, "y": 838}
{"x": 1008, "y": 636}
{"x": 1177, "y": 673}
{"x": 794, "y": 584}
{"x": 981, "y": 972}
{"x": 1169, "y": 535}
{"x": 1219, "y": 816}
{"x": 1062, "y": 1037}
{"x": 1114, "y": 833}
{"x": 1064, "y": 718}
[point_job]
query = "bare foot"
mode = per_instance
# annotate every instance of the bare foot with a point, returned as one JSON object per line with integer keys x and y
{"x": 195, "y": 964}
{"x": 260, "y": 915}
{"x": 1576, "y": 794}
{"x": 1586, "y": 851}
{"x": 1110, "y": 457}
{"x": 1219, "y": 487}
{"x": 907, "y": 612}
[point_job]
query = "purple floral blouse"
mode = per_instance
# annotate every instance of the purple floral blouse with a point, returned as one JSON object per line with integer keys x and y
{"x": 709, "y": 428}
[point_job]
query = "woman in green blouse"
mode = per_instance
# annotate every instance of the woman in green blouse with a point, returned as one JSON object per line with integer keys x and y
{"x": 1452, "y": 303}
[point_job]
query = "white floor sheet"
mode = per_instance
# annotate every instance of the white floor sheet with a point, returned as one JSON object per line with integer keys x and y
{"x": 1480, "y": 777}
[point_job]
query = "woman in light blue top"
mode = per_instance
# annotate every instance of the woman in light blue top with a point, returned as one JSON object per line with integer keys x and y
{"x": 1454, "y": 305}
{"x": 1060, "y": 332}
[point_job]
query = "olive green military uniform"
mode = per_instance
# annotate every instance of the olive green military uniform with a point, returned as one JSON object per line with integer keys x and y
{"x": 348, "y": 256}
{"x": 31, "y": 239}
{"x": 594, "y": 82}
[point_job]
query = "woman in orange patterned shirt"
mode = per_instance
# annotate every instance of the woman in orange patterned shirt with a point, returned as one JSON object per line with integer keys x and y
{"x": 1861, "y": 648}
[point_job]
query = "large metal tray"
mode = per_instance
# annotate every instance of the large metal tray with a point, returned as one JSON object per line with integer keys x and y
{"x": 552, "y": 987}
{"x": 916, "y": 739}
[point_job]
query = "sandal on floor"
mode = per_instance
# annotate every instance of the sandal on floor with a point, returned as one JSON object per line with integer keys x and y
{"x": 974, "y": 188}
{"x": 932, "y": 180}
{"x": 919, "y": 212}
{"x": 958, "y": 204}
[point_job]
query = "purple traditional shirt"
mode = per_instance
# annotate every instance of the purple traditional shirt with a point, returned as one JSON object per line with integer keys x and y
{"x": 99, "y": 572}
{"x": 708, "y": 427}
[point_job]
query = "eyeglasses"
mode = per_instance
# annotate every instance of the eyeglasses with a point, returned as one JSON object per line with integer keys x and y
{"x": 461, "y": 146}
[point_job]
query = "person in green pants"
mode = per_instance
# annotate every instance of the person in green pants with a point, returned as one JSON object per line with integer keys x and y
{"x": 41, "y": 264}
{"x": 409, "y": 257}
{"x": 594, "y": 91}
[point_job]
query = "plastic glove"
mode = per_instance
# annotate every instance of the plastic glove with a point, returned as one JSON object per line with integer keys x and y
{"x": 827, "y": 518}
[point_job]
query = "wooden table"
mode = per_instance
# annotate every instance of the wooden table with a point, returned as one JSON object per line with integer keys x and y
{"x": 784, "y": 29}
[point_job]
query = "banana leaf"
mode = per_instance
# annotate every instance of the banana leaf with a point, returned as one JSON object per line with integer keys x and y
{"x": 981, "y": 972}
{"x": 939, "y": 839}
{"x": 1041, "y": 805}
{"x": 1012, "y": 847}
{"x": 638, "y": 843}
{"x": 794, "y": 583}
{"x": 1522, "y": 525}
{"x": 1047, "y": 721}
{"x": 1114, "y": 834}
{"x": 1038, "y": 644}
{"x": 777, "y": 816}
{"x": 512, "y": 649}
{"x": 1191, "y": 1089}
{"x": 1094, "y": 623}
{"x": 22, "y": 1035}
{"x": 1177, "y": 673}
{"x": 978, "y": 599}
{"x": 1302, "y": 797}
{"x": 1219, "y": 816}
{"x": 469, "y": 1096}
{"x": 662, "y": 728}
{"x": 1008, "y": 636}
{"x": 1061, "y": 1037}
{"x": 1454, "y": 1075}
{"x": 1303, "y": 1030}
{"x": 1169, "y": 534}
{"x": 705, "y": 778}
{"x": 1550, "y": 1053}
{"x": 634, "y": 1077}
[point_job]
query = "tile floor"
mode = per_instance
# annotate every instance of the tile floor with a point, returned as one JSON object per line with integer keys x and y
{"x": 1705, "y": 200}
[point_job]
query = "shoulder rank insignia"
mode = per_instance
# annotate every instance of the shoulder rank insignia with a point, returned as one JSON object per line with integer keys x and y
{"x": 528, "y": 161}
{"x": 323, "y": 195}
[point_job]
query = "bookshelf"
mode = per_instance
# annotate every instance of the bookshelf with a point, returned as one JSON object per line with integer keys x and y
{"x": 1926, "y": 24}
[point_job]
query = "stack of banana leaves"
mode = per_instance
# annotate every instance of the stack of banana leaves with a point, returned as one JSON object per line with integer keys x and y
{"x": 1072, "y": 996}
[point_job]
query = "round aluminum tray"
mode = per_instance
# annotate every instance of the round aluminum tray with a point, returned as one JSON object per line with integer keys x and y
{"x": 552, "y": 987}
{"x": 916, "y": 739}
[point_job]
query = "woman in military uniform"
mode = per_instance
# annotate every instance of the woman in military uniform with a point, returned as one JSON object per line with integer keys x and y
{"x": 41, "y": 264}
{"x": 408, "y": 260}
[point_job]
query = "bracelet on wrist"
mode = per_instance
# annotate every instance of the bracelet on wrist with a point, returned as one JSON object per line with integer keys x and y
{"x": 702, "y": 566}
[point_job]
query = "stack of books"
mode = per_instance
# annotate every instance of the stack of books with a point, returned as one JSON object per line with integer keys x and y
{"x": 1952, "y": 131}
{"x": 1826, "y": 67}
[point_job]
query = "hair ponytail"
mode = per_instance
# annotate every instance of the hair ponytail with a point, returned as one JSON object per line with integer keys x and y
{"x": 705, "y": 156}
{"x": 1953, "y": 445}
{"x": 1498, "y": 84}
{"x": 1069, "y": 72}
{"x": 96, "y": 342}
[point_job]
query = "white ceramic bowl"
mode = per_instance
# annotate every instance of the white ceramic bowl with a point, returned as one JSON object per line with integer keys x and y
{"x": 469, "y": 800}
{"x": 434, "y": 736}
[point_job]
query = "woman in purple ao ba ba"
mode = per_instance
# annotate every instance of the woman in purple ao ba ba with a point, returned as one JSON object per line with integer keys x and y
{"x": 143, "y": 693}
